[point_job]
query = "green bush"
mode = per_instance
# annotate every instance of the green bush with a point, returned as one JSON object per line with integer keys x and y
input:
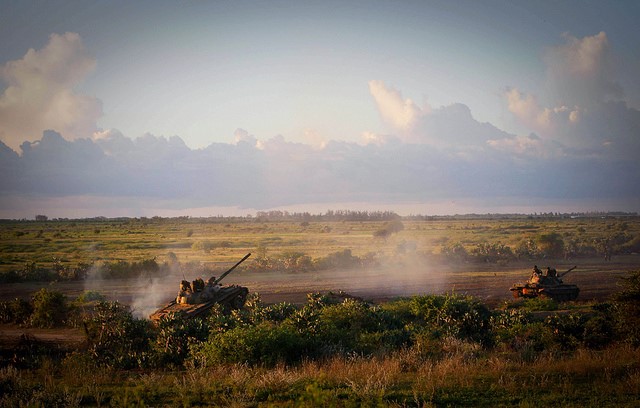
{"x": 599, "y": 332}
{"x": 17, "y": 311}
{"x": 49, "y": 309}
{"x": 176, "y": 335}
{"x": 526, "y": 249}
{"x": 265, "y": 343}
{"x": 492, "y": 252}
{"x": 539, "y": 304}
{"x": 116, "y": 339}
{"x": 531, "y": 339}
{"x": 346, "y": 325}
{"x": 626, "y": 308}
{"x": 455, "y": 252}
{"x": 452, "y": 315}
{"x": 128, "y": 270}
{"x": 339, "y": 259}
{"x": 567, "y": 329}
{"x": 550, "y": 245}
{"x": 506, "y": 323}
{"x": 90, "y": 296}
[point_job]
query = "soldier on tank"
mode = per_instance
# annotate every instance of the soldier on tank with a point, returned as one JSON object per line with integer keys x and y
{"x": 185, "y": 292}
{"x": 198, "y": 285}
{"x": 536, "y": 275}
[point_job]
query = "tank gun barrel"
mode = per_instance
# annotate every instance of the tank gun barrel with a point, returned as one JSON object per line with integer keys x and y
{"x": 567, "y": 271}
{"x": 232, "y": 268}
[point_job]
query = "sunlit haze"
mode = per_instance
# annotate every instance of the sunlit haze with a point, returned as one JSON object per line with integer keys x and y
{"x": 226, "y": 108}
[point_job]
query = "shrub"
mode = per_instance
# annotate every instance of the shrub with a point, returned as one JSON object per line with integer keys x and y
{"x": 117, "y": 339}
{"x": 49, "y": 309}
{"x": 599, "y": 332}
{"x": 340, "y": 259}
{"x": 455, "y": 252}
{"x": 551, "y": 245}
{"x": 275, "y": 313}
{"x": 90, "y": 296}
{"x": 389, "y": 228}
{"x": 485, "y": 252}
{"x": 539, "y": 304}
{"x": 526, "y": 249}
{"x": 531, "y": 339}
{"x": 177, "y": 334}
{"x": 352, "y": 326}
{"x": 567, "y": 330}
{"x": 452, "y": 315}
{"x": 15, "y": 311}
{"x": 506, "y": 323}
{"x": 626, "y": 305}
{"x": 129, "y": 270}
{"x": 296, "y": 261}
{"x": 265, "y": 343}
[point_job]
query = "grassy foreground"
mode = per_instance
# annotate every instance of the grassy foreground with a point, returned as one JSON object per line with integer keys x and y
{"x": 436, "y": 350}
{"x": 463, "y": 376}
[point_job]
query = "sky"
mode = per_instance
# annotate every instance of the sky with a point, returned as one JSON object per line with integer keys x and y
{"x": 224, "y": 108}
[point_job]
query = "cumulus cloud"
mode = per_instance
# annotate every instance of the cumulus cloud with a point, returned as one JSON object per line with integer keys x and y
{"x": 378, "y": 139}
{"x": 547, "y": 121}
{"x": 242, "y": 136}
{"x": 447, "y": 127}
{"x": 529, "y": 146}
{"x": 581, "y": 105}
{"x": 163, "y": 171}
{"x": 580, "y": 71}
{"x": 39, "y": 92}
{"x": 399, "y": 112}
{"x": 113, "y": 142}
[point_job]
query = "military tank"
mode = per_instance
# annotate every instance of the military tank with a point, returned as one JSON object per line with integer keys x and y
{"x": 547, "y": 285}
{"x": 197, "y": 297}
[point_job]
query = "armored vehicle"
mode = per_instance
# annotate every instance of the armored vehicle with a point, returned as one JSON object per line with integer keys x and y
{"x": 548, "y": 285}
{"x": 197, "y": 297}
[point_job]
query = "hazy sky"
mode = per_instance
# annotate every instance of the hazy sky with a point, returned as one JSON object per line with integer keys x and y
{"x": 435, "y": 107}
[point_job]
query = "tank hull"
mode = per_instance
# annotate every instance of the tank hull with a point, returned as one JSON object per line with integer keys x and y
{"x": 230, "y": 297}
{"x": 560, "y": 293}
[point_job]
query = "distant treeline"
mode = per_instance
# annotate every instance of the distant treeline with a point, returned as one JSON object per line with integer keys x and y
{"x": 339, "y": 215}
{"x": 336, "y": 215}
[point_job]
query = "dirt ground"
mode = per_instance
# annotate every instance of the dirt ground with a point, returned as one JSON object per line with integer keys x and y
{"x": 596, "y": 278}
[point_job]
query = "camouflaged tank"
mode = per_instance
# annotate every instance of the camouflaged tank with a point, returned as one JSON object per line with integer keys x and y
{"x": 197, "y": 297}
{"x": 547, "y": 285}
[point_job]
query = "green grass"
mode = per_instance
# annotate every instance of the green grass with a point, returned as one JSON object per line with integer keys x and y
{"x": 136, "y": 239}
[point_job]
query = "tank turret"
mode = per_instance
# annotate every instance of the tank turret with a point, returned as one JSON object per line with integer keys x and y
{"x": 197, "y": 297}
{"x": 548, "y": 284}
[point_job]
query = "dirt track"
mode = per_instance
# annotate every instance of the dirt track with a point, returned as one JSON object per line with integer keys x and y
{"x": 597, "y": 281}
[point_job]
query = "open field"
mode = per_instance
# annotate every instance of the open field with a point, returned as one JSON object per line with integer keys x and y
{"x": 408, "y": 262}
{"x": 222, "y": 241}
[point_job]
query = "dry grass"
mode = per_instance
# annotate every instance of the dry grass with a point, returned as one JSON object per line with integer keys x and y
{"x": 407, "y": 378}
